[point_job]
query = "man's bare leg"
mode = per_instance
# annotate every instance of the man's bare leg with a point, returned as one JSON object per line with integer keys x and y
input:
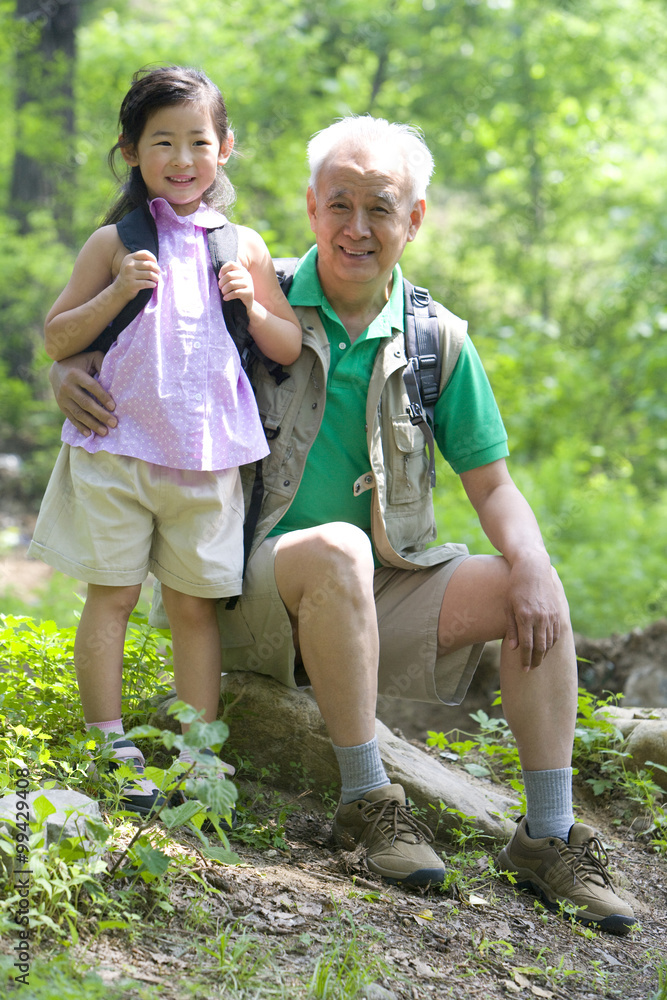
{"x": 539, "y": 705}
{"x": 325, "y": 578}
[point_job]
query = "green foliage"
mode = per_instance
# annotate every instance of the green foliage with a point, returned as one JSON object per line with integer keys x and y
{"x": 37, "y": 671}
{"x": 240, "y": 958}
{"x": 544, "y": 226}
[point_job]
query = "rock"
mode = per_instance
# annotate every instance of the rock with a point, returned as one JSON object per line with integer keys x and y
{"x": 69, "y": 819}
{"x": 647, "y": 743}
{"x": 280, "y": 728}
{"x": 646, "y": 685}
{"x": 376, "y": 992}
{"x": 645, "y": 730}
{"x": 609, "y": 664}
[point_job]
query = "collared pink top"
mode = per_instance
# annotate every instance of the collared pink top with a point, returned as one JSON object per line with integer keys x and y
{"x": 182, "y": 398}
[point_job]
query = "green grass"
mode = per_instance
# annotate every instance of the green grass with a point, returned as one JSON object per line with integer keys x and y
{"x": 138, "y": 886}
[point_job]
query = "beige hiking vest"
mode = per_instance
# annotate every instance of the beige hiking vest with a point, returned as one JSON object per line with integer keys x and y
{"x": 402, "y": 519}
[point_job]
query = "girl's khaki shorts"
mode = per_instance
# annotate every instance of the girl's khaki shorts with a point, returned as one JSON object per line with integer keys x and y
{"x": 109, "y": 520}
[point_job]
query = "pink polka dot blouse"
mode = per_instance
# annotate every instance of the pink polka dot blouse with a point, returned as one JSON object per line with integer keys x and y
{"x": 182, "y": 399}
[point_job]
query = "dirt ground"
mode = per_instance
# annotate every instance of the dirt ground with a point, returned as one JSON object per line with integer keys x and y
{"x": 481, "y": 939}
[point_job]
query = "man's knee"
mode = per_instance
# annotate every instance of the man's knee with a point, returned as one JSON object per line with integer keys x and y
{"x": 340, "y": 543}
{"x": 337, "y": 552}
{"x": 316, "y": 564}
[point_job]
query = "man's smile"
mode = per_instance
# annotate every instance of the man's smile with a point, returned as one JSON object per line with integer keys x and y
{"x": 356, "y": 253}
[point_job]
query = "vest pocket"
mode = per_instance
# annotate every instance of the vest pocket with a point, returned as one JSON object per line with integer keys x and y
{"x": 409, "y": 462}
{"x": 272, "y": 400}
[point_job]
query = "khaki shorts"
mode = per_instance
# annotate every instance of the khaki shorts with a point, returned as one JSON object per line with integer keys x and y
{"x": 257, "y": 634}
{"x": 109, "y": 520}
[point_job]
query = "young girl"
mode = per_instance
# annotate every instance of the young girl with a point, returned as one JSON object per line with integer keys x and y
{"x": 161, "y": 491}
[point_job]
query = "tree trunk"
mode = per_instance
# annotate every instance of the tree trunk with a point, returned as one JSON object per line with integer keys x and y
{"x": 43, "y": 169}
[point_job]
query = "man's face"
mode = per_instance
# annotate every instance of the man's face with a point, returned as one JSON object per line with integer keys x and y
{"x": 362, "y": 213}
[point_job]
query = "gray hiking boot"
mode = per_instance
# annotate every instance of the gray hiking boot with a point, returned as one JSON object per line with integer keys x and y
{"x": 397, "y": 844}
{"x": 573, "y": 873}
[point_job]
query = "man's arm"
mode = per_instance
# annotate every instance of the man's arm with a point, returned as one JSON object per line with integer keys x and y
{"x": 509, "y": 523}
{"x": 81, "y": 398}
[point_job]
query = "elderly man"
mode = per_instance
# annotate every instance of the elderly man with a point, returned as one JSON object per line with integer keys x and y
{"x": 340, "y": 578}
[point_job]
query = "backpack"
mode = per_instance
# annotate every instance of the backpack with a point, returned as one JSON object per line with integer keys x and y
{"x": 421, "y": 377}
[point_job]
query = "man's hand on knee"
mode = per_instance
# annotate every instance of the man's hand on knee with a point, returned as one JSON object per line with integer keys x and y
{"x": 533, "y": 610}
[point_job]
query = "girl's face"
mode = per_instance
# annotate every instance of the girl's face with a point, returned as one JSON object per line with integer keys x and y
{"x": 178, "y": 155}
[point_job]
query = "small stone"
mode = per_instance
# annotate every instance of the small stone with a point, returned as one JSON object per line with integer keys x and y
{"x": 376, "y": 992}
{"x": 67, "y": 821}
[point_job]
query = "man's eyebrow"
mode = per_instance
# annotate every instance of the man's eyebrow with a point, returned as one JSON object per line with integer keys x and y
{"x": 388, "y": 197}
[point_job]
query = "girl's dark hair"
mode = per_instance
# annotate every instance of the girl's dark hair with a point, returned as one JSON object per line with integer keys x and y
{"x": 151, "y": 90}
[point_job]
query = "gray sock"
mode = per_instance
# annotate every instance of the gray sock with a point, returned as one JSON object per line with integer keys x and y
{"x": 549, "y": 803}
{"x": 361, "y": 770}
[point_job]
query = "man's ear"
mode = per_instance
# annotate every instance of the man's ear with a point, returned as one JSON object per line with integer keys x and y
{"x": 416, "y": 218}
{"x": 226, "y": 148}
{"x": 311, "y": 207}
{"x": 128, "y": 153}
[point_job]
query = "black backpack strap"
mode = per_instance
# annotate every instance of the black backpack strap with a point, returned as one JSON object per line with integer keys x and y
{"x": 285, "y": 268}
{"x": 223, "y": 246}
{"x": 137, "y": 231}
{"x": 424, "y": 366}
{"x": 250, "y": 523}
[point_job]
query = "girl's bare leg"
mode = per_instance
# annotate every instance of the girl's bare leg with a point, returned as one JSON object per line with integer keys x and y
{"x": 98, "y": 649}
{"x": 196, "y": 647}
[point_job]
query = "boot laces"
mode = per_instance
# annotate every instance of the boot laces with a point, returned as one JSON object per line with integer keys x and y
{"x": 395, "y": 819}
{"x": 589, "y": 861}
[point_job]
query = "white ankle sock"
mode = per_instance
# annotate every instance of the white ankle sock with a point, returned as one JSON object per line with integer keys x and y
{"x": 111, "y": 730}
{"x": 549, "y": 803}
{"x": 361, "y": 770}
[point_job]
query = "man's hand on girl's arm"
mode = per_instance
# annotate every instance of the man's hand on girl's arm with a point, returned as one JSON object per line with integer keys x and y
{"x": 78, "y": 394}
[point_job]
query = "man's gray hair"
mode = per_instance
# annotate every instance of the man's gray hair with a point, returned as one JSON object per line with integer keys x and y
{"x": 366, "y": 131}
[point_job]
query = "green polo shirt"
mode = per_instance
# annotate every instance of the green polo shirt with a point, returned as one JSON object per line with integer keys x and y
{"x": 468, "y": 428}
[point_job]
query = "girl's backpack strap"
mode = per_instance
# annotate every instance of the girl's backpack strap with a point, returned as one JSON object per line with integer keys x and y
{"x": 223, "y": 245}
{"x": 137, "y": 231}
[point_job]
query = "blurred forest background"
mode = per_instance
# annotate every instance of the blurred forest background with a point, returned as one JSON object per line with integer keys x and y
{"x": 545, "y": 225}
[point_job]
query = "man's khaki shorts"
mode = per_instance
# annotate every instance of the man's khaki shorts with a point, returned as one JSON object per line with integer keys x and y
{"x": 109, "y": 519}
{"x": 257, "y": 634}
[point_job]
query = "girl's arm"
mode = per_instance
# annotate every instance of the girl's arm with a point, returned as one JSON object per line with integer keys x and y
{"x": 272, "y": 321}
{"x": 105, "y": 278}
